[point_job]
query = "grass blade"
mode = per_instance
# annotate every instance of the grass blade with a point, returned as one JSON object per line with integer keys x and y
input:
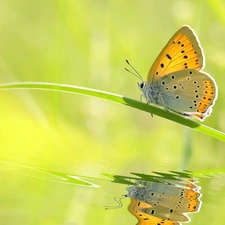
{"x": 121, "y": 100}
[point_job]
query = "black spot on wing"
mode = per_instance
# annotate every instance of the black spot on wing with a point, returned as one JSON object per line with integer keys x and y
{"x": 168, "y": 56}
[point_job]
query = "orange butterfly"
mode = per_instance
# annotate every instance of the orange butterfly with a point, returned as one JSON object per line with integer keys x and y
{"x": 175, "y": 80}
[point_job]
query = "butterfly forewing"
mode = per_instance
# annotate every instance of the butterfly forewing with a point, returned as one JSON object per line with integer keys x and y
{"x": 183, "y": 51}
{"x": 138, "y": 208}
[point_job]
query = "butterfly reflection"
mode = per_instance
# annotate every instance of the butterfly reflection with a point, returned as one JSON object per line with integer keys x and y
{"x": 166, "y": 203}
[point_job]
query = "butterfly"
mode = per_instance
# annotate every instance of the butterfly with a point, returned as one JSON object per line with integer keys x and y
{"x": 163, "y": 204}
{"x": 176, "y": 81}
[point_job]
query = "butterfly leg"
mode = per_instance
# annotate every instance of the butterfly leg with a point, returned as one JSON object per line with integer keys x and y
{"x": 147, "y": 103}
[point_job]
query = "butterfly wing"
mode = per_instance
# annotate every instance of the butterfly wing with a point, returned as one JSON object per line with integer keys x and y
{"x": 181, "y": 199}
{"x": 138, "y": 208}
{"x": 188, "y": 92}
{"x": 183, "y": 51}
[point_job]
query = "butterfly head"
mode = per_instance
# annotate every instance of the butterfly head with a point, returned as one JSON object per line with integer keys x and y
{"x": 142, "y": 85}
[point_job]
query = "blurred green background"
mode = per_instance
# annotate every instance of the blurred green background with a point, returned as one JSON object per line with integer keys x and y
{"x": 86, "y": 43}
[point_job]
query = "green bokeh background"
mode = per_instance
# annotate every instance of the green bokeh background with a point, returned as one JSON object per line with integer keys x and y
{"x": 86, "y": 43}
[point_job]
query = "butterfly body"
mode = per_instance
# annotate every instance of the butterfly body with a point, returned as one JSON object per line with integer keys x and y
{"x": 175, "y": 80}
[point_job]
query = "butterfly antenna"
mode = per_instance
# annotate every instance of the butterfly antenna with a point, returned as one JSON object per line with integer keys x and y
{"x": 118, "y": 200}
{"x": 136, "y": 74}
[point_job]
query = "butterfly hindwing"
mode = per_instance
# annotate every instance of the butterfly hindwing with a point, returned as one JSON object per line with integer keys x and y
{"x": 188, "y": 92}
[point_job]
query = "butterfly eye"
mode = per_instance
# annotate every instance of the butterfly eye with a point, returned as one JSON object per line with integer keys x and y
{"x": 141, "y": 85}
